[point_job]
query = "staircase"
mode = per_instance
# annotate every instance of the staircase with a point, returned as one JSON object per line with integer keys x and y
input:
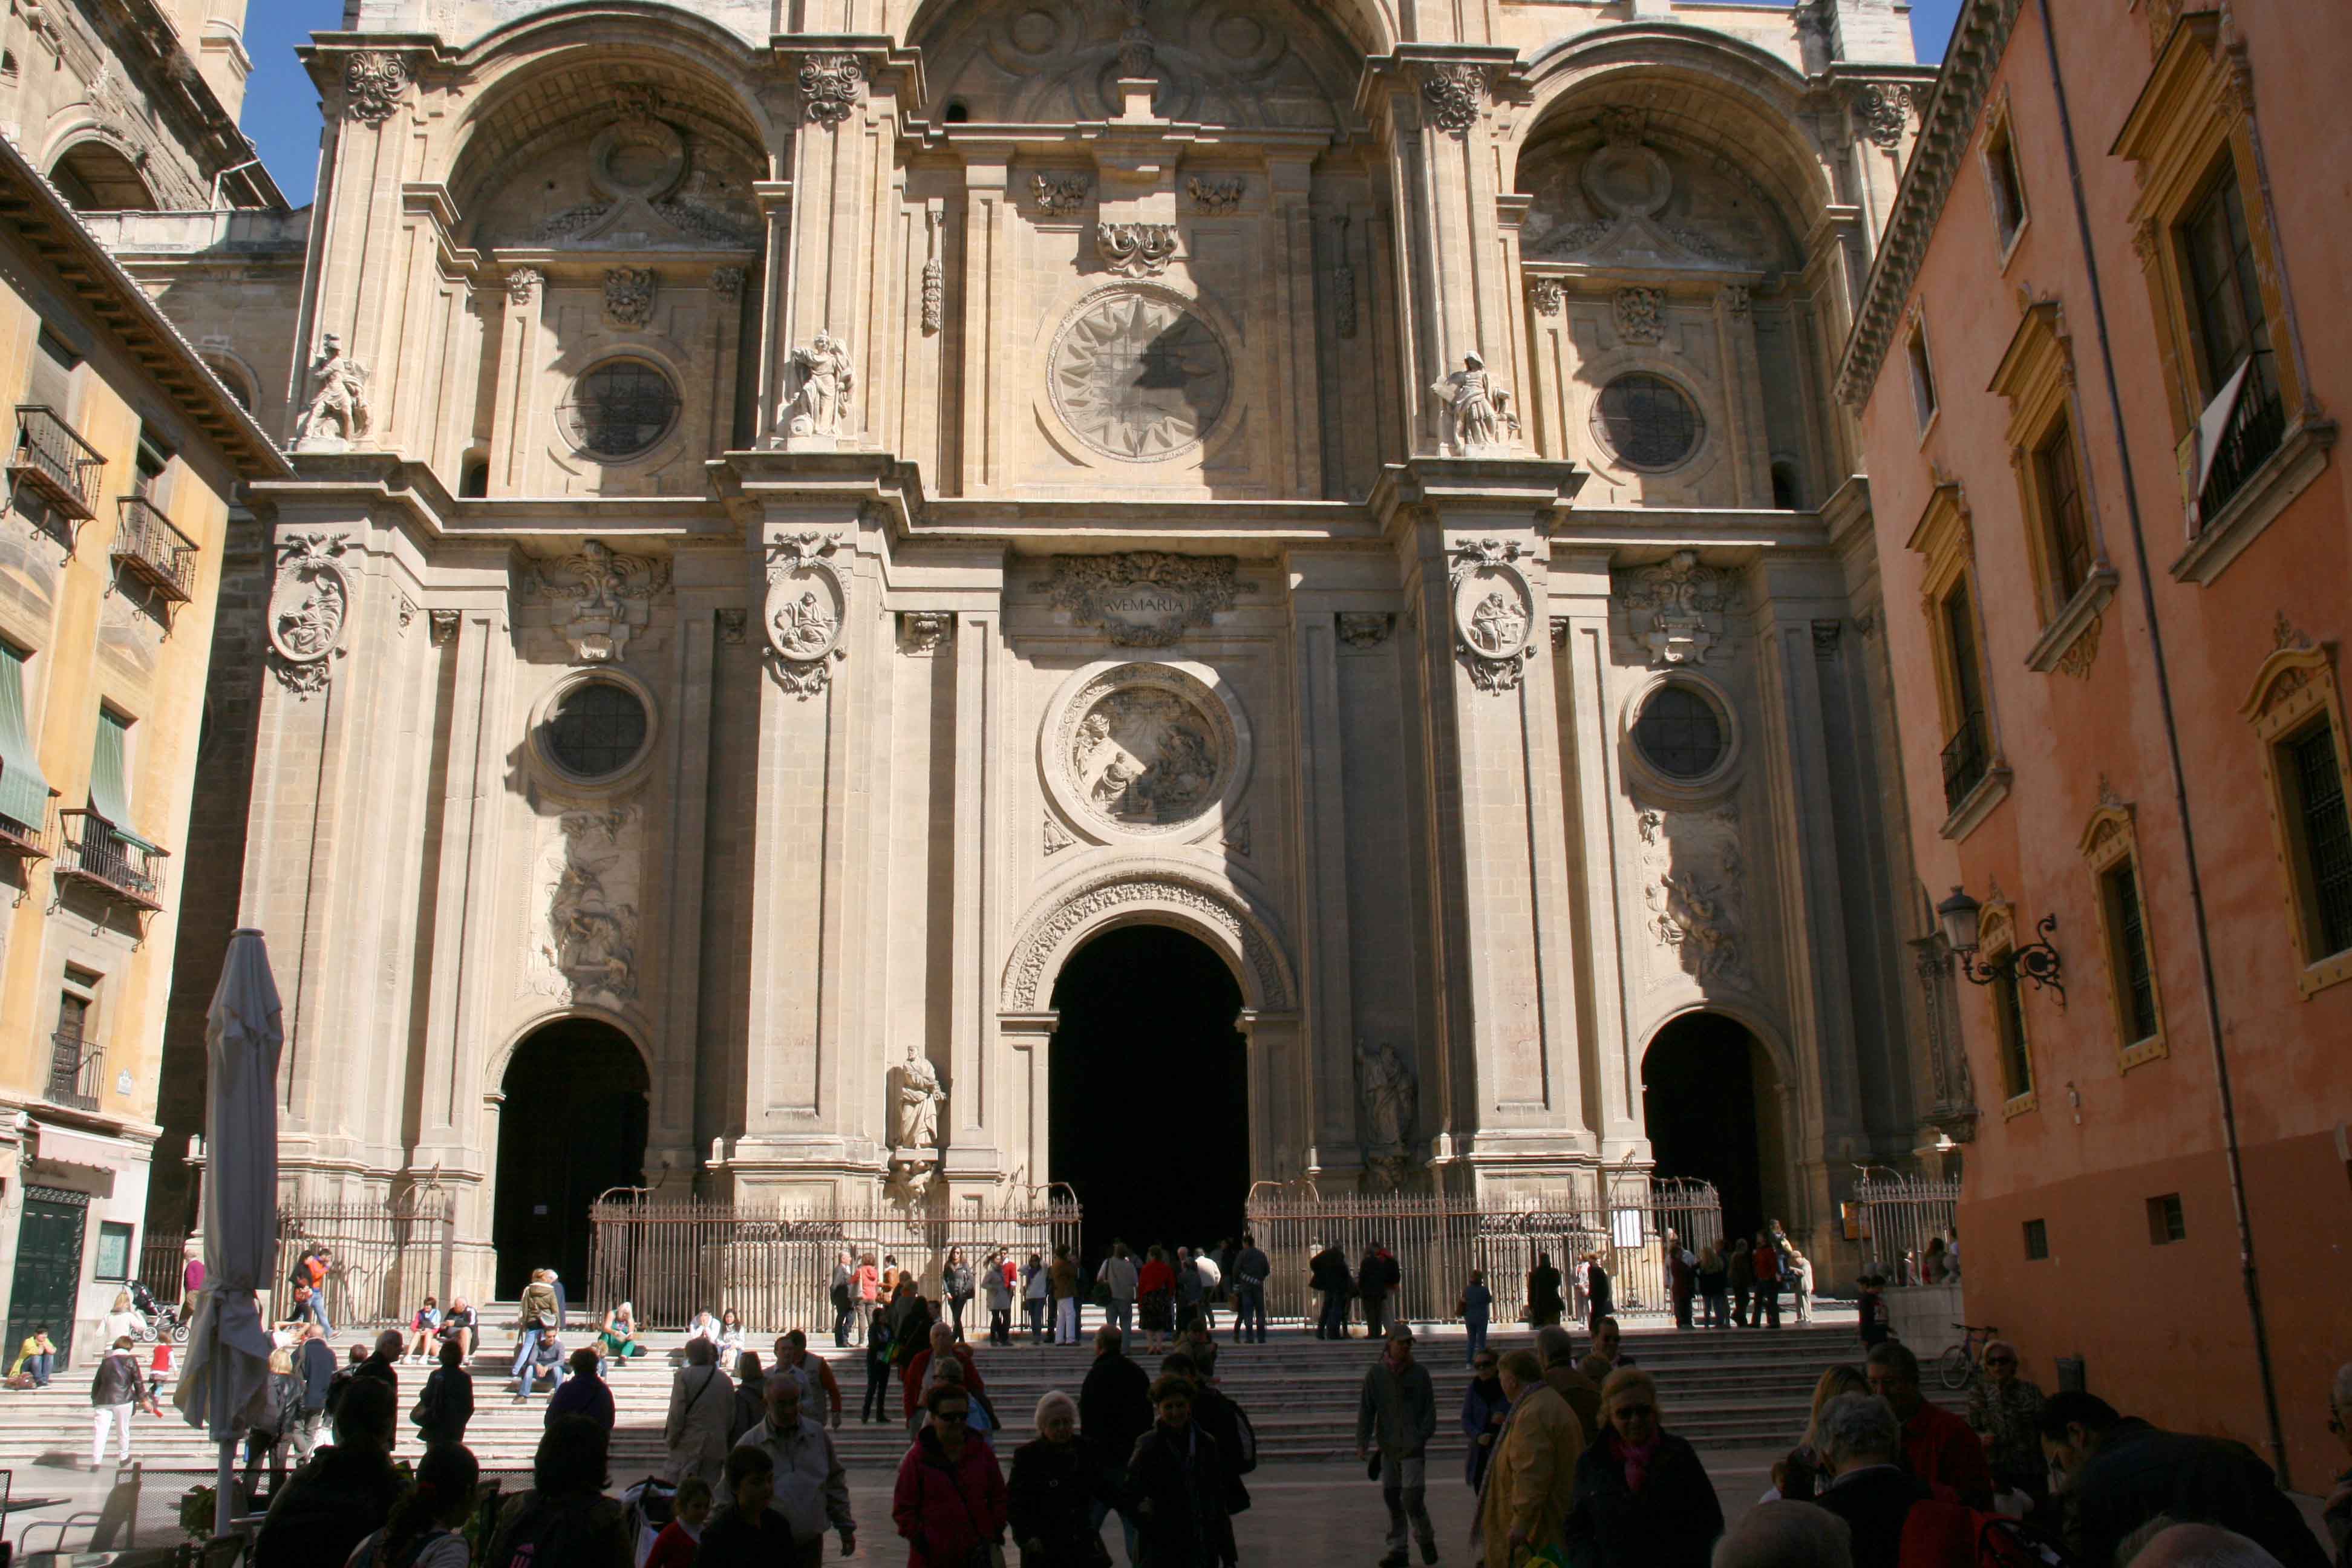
{"x": 1728, "y": 1389}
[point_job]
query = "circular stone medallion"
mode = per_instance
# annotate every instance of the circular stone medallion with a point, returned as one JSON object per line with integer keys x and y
{"x": 1145, "y": 750}
{"x": 1136, "y": 376}
{"x": 1494, "y": 611}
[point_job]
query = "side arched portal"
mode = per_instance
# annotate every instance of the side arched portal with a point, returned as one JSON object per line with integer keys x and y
{"x": 1710, "y": 1100}
{"x": 571, "y": 1125}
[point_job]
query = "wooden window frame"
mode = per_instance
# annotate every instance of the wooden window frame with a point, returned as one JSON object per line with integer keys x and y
{"x": 2294, "y": 688}
{"x": 1996, "y": 939}
{"x": 1945, "y": 536}
{"x": 1996, "y": 146}
{"x": 2036, "y": 376}
{"x": 2109, "y": 839}
{"x": 2194, "y": 117}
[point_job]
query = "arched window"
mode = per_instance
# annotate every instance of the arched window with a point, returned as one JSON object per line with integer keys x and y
{"x": 95, "y": 178}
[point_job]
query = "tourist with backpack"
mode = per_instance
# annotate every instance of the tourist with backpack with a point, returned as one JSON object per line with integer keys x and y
{"x": 535, "y": 1318}
{"x": 564, "y": 1519}
{"x": 427, "y": 1527}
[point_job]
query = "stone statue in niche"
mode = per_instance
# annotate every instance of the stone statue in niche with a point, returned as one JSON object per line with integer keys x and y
{"x": 1478, "y": 409}
{"x": 915, "y": 1128}
{"x": 1391, "y": 1096}
{"x": 824, "y": 384}
{"x": 338, "y": 395}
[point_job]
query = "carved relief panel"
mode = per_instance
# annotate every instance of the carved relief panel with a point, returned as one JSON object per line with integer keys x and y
{"x": 580, "y": 918}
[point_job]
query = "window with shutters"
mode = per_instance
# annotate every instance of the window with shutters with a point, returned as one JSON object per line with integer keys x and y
{"x": 2063, "y": 545}
{"x": 1976, "y": 780}
{"x": 24, "y": 792}
{"x": 2111, "y": 850}
{"x": 2013, "y": 1041}
{"x": 2298, "y": 717}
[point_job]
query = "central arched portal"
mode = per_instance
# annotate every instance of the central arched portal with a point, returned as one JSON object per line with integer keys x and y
{"x": 573, "y": 1124}
{"x": 1148, "y": 1092}
{"x": 1708, "y": 1102}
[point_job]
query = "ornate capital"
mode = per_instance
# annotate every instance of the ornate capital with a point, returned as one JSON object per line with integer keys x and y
{"x": 922, "y": 633}
{"x": 1364, "y": 630}
{"x": 831, "y": 86}
{"x": 1215, "y": 195}
{"x": 1455, "y": 94}
{"x": 727, "y": 282}
{"x": 1735, "y": 299}
{"x": 1640, "y": 315}
{"x": 1546, "y": 294}
{"x": 374, "y": 86}
{"x": 1882, "y": 111}
{"x": 445, "y": 624}
{"x": 523, "y": 284}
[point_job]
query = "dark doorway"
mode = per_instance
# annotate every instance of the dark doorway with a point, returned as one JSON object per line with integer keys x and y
{"x": 48, "y": 1269}
{"x": 1700, "y": 1097}
{"x": 573, "y": 1124}
{"x": 1149, "y": 1099}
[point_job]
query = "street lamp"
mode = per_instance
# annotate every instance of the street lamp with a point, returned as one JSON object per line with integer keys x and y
{"x": 1962, "y": 918}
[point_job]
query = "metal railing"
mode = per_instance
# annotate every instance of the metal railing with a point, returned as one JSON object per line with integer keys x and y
{"x": 52, "y": 458}
{"x": 773, "y": 1263}
{"x": 163, "y": 1263}
{"x": 76, "y": 1070}
{"x": 147, "y": 544}
{"x": 1901, "y": 1216}
{"x": 128, "y": 872}
{"x": 23, "y": 840}
{"x": 382, "y": 1258}
{"x": 1438, "y": 1240}
{"x": 2257, "y": 425}
{"x": 1966, "y": 759}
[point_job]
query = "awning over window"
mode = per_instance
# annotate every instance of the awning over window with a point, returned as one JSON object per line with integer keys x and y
{"x": 62, "y": 1147}
{"x": 23, "y": 793}
{"x": 109, "y": 778}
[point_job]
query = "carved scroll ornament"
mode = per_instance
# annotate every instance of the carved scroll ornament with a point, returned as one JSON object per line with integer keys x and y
{"x": 374, "y": 86}
{"x": 1136, "y": 249}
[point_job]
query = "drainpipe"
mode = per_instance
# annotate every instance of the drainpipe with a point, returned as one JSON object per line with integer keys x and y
{"x": 2250, "y": 1276}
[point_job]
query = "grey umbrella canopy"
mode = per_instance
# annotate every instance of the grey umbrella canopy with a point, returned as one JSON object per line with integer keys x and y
{"x": 227, "y": 1373}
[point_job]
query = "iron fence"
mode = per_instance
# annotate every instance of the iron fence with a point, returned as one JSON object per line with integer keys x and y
{"x": 1438, "y": 1240}
{"x": 1900, "y": 1216}
{"x": 382, "y": 1258}
{"x": 773, "y": 1263}
{"x": 162, "y": 1262}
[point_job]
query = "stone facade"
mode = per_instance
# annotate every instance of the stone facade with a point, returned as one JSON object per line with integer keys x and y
{"x": 1043, "y": 467}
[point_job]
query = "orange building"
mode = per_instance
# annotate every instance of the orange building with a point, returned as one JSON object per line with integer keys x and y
{"x": 2096, "y": 366}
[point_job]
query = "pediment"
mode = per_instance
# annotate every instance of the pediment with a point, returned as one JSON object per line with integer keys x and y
{"x": 1640, "y": 243}
{"x": 634, "y": 223}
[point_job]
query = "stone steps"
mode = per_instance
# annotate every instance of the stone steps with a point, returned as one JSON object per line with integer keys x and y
{"x": 1723, "y": 1390}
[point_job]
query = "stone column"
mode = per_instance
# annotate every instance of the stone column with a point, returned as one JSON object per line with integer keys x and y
{"x": 988, "y": 1091}
{"x": 513, "y": 424}
{"x": 988, "y": 284}
{"x": 1320, "y": 829}
{"x": 1504, "y": 1079}
{"x": 1023, "y": 1039}
{"x": 1751, "y": 443}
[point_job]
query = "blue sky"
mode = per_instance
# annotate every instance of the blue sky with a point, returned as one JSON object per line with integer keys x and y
{"x": 282, "y": 109}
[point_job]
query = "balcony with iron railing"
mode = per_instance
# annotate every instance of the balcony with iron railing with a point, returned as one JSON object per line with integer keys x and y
{"x": 74, "y": 1069}
{"x": 23, "y": 840}
{"x": 50, "y": 457}
{"x": 2257, "y": 425}
{"x": 91, "y": 853}
{"x": 147, "y": 546}
{"x": 1967, "y": 759}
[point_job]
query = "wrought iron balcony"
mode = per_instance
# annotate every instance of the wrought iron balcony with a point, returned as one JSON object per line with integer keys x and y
{"x": 51, "y": 457}
{"x": 91, "y": 852}
{"x": 2257, "y": 425}
{"x": 1966, "y": 759}
{"x": 149, "y": 547}
{"x": 22, "y": 840}
{"x": 75, "y": 1071}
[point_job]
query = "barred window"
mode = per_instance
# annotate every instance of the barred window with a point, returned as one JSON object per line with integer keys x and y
{"x": 619, "y": 409}
{"x": 2327, "y": 836}
{"x": 1679, "y": 733}
{"x": 597, "y": 729}
{"x": 1647, "y": 421}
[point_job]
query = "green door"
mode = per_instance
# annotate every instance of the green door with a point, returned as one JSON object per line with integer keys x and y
{"x": 48, "y": 1268}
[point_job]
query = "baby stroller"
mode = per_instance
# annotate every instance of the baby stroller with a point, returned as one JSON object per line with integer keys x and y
{"x": 164, "y": 1323}
{"x": 652, "y": 1502}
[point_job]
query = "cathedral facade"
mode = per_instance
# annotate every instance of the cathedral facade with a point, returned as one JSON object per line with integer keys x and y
{"x": 809, "y": 516}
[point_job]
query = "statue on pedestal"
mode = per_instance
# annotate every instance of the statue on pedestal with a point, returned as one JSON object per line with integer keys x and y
{"x": 339, "y": 394}
{"x": 1478, "y": 410}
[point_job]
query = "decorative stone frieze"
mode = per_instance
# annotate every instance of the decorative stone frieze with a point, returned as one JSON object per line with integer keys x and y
{"x": 1677, "y": 607}
{"x": 374, "y": 86}
{"x": 582, "y": 923}
{"x": 1136, "y": 249}
{"x": 935, "y": 273}
{"x": 1215, "y": 197}
{"x": 1455, "y": 94}
{"x": 309, "y": 608}
{"x": 1060, "y": 194}
{"x": 831, "y": 86}
{"x": 1113, "y": 889}
{"x": 807, "y": 604}
{"x": 601, "y": 598}
{"x": 1691, "y": 873}
{"x": 922, "y": 633}
{"x": 1493, "y": 612}
{"x": 1640, "y": 315}
{"x": 1546, "y": 295}
{"x": 1143, "y": 598}
{"x": 338, "y": 396}
{"x": 629, "y": 296}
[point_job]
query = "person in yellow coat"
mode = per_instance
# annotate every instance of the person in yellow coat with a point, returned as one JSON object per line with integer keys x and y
{"x": 1531, "y": 1480}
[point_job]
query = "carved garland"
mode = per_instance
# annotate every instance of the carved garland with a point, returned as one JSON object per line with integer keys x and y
{"x": 1024, "y": 975}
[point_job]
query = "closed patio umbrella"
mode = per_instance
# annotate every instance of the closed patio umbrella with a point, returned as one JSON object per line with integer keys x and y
{"x": 229, "y": 1349}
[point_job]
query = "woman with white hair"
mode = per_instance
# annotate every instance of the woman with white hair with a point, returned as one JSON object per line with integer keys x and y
{"x": 1049, "y": 1500}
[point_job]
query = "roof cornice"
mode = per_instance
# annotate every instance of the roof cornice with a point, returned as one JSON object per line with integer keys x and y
{"x": 1979, "y": 39}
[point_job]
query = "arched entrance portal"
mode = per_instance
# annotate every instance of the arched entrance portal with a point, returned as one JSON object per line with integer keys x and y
{"x": 573, "y": 1124}
{"x": 1708, "y": 1100}
{"x": 1147, "y": 1095}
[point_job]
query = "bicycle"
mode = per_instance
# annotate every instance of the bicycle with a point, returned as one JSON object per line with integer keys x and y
{"x": 1960, "y": 1366}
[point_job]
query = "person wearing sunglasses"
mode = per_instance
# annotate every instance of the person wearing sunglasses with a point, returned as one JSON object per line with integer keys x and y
{"x": 1642, "y": 1499}
{"x": 950, "y": 1500}
{"x": 2004, "y": 1409}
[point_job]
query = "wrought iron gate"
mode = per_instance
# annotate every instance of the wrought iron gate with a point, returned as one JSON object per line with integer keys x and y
{"x": 382, "y": 1258}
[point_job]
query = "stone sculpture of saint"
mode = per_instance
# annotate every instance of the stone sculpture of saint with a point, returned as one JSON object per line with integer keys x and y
{"x": 920, "y": 1099}
{"x": 824, "y": 384}
{"x": 1475, "y": 404}
{"x": 1496, "y": 624}
{"x": 1390, "y": 1093}
{"x": 803, "y": 628}
{"x": 339, "y": 393}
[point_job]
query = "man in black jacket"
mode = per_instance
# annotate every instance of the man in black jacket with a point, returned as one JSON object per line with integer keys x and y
{"x": 1114, "y": 1410}
{"x": 2114, "y": 1473}
{"x": 1328, "y": 1272}
{"x": 344, "y": 1493}
{"x": 1222, "y": 1419}
{"x": 315, "y": 1364}
{"x": 1861, "y": 1444}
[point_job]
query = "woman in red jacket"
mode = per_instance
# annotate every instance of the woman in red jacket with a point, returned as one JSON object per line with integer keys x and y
{"x": 1155, "y": 1293}
{"x": 950, "y": 1499}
